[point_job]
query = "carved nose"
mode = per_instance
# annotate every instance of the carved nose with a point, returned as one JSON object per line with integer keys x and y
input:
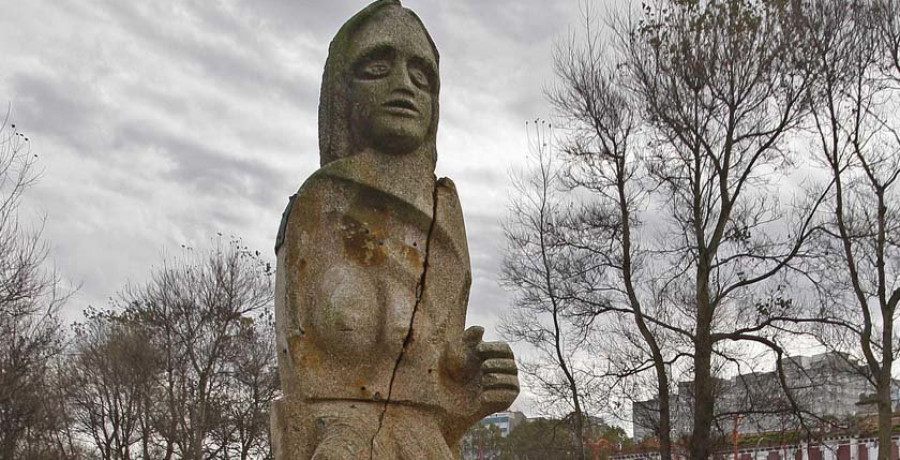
{"x": 402, "y": 81}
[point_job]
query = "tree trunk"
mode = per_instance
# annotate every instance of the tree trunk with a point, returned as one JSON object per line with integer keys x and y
{"x": 579, "y": 431}
{"x": 883, "y": 391}
{"x": 665, "y": 413}
{"x": 884, "y": 416}
{"x": 704, "y": 401}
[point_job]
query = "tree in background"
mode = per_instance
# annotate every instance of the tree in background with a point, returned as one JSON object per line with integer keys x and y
{"x": 537, "y": 266}
{"x": 602, "y": 122}
{"x": 111, "y": 386}
{"x": 198, "y": 311}
{"x": 551, "y": 438}
{"x": 606, "y": 441}
{"x": 685, "y": 123}
{"x": 250, "y": 389}
{"x": 30, "y": 333}
{"x": 722, "y": 85}
{"x": 857, "y": 139}
{"x": 484, "y": 443}
{"x": 184, "y": 366}
{"x": 544, "y": 438}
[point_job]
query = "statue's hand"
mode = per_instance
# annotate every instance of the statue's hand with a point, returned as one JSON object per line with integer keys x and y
{"x": 490, "y": 365}
{"x": 499, "y": 376}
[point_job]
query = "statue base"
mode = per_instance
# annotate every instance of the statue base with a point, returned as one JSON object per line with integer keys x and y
{"x": 356, "y": 430}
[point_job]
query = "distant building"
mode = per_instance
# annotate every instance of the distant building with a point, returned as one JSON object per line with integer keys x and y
{"x": 477, "y": 444}
{"x": 842, "y": 447}
{"x": 505, "y": 421}
{"x": 828, "y": 385}
{"x": 857, "y": 441}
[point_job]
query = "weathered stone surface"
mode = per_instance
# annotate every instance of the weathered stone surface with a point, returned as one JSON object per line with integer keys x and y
{"x": 373, "y": 268}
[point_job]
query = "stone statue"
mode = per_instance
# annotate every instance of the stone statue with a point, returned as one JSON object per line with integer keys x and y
{"x": 373, "y": 268}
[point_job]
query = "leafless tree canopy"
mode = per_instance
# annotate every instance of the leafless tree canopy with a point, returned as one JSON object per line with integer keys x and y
{"x": 857, "y": 142}
{"x": 536, "y": 266}
{"x": 30, "y": 333}
{"x": 184, "y": 368}
{"x": 681, "y": 235}
{"x": 180, "y": 367}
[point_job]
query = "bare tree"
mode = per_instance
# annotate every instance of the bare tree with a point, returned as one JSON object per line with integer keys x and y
{"x": 182, "y": 366}
{"x": 30, "y": 336}
{"x": 602, "y": 120}
{"x": 200, "y": 312}
{"x": 111, "y": 386}
{"x": 250, "y": 390}
{"x": 536, "y": 266}
{"x": 722, "y": 85}
{"x": 685, "y": 124}
{"x": 855, "y": 45}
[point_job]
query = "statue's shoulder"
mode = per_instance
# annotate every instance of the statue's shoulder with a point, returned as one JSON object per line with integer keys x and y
{"x": 339, "y": 171}
{"x": 349, "y": 178}
{"x": 448, "y": 187}
{"x": 325, "y": 177}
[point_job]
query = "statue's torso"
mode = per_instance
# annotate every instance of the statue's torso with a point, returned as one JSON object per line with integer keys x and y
{"x": 349, "y": 275}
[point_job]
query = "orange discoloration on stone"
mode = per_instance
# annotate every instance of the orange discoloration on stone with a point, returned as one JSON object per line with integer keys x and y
{"x": 310, "y": 359}
{"x": 292, "y": 258}
{"x": 361, "y": 244}
{"x": 413, "y": 256}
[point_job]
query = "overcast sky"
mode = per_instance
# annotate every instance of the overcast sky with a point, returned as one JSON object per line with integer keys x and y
{"x": 161, "y": 123}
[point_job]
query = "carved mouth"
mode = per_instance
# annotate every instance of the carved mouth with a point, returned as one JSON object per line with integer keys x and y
{"x": 401, "y": 107}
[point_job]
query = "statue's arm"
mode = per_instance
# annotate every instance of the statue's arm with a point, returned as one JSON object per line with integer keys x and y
{"x": 488, "y": 366}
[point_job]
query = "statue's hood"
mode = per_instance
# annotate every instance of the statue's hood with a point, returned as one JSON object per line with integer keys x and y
{"x": 335, "y": 133}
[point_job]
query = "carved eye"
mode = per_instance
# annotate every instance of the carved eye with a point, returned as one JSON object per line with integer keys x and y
{"x": 375, "y": 69}
{"x": 419, "y": 77}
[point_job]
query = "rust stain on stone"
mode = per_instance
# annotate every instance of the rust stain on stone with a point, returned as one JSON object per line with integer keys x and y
{"x": 361, "y": 242}
{"x": 413, "y": 256}
{"x": 311, "y": 359}
{"x": 292, "y": 258}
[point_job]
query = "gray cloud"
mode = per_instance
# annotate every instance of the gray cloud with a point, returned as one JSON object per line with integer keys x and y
{"x": 62, "y": 104}
{"x": 204, "y": 170}
{"x": 163, "y": 123}
{"x": 225, "y": 50}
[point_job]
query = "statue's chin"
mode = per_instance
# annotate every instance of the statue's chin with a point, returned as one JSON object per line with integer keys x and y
{"x": 398, "y": 138}
{"x": 399, "y": 145}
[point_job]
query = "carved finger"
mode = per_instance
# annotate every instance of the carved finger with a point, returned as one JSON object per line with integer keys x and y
{"x": 473, "y": 335}
{"x": 500, "y": 366}
{"x": 500, "y": 381}
{"x": 491, "y": 350}
{"x": 497, "y": 400}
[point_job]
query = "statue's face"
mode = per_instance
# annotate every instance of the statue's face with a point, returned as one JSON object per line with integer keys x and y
{"x": 393, "y": 81}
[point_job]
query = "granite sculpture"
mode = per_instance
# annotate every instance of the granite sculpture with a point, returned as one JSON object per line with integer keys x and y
{"x": 373, "y": 268}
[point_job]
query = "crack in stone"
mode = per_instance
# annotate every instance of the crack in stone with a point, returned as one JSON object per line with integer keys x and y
{"x": 420, "y": 291}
